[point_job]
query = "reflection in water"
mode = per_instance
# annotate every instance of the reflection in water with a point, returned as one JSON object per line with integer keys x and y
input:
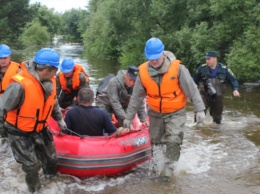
{"x": 214, "y": 158}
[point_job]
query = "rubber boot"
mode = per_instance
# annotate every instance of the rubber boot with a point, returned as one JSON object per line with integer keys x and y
{"x": 172, "y": 152}
{"x": 217, "y": 120}
{"x": 33, "y": 182}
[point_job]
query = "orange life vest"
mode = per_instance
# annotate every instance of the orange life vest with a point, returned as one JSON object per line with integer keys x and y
{"x": 34, "y": 114}
{"x": 11, "y": 71}
{"x": 75, "y": 79}
{"x": 167, "y": 96}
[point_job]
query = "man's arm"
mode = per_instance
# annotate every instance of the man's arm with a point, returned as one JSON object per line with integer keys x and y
{"x": 58, "y": 86}
{"x": 83, "y": 82}
{"x": 190, "y": 89}
{"x": 197, "y": 76}
{"x": 56, "y": 112}
{"x": 136, "y": 99}
{"x": 12, "y": 98}
{"x": 113, "y": 96}
{"x": 232, "y": 80}
{"x": 142, "y": 112}
{"x": 109, "y": 127}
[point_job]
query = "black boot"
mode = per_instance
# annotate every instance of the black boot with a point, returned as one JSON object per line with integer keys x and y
{"x": 33, "y": 182}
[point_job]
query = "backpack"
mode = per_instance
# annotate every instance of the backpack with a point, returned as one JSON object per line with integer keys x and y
{"x": 104, "y": 83}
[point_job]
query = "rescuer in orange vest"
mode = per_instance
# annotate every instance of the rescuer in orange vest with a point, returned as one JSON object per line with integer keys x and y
{"x": 8, "y": 68}
{"x": 27, "y": 104}
{"x": 166, "y": 83}
{"x": 69, "y": 81}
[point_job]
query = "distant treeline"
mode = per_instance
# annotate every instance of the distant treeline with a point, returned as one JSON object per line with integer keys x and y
{"x": 118, "y": 29}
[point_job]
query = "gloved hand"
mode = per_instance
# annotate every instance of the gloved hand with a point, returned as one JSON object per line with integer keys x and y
{"x": 200, "y": 116}
{"x": 127, "y": 123}
{"x": 62, "y": 124}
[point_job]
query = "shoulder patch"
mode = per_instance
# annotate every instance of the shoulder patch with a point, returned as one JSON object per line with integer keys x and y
{"x": 222, "y": 65}
{"x": 229, "y": 70}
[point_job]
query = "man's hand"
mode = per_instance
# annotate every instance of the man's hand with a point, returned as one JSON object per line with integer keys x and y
{"x": 62, "y": 124}
{"x": 128, "y": 124}
{"x": 146, "y": 123}
{"x": 236, "y": 93}
{"x": 200, "y": 116}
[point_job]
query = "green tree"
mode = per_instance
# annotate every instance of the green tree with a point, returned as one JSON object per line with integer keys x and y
{"x": 71, "y": 24}
{"x": 244, "y": 57}
{"x": 119, "y": 29}
{"x": 50, "y": 19}
{"x": 14, "y": 14}
{"x": 35, "y": 34}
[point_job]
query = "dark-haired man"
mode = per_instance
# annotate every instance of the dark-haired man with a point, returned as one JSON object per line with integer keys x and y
{"x": 86, "y": 119}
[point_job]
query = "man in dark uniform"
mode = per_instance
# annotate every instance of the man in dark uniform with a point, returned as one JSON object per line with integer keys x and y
{"x": 211, "y": 78}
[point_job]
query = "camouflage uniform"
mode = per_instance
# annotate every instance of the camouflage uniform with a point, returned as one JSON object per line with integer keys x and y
{"x": 217, "y": 78}
{"x": 115, "y": 98}
{"x": 35, "y": 149}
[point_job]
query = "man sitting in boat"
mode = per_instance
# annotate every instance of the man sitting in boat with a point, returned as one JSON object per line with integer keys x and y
{"x": 115, "y": 97}
{"x": 86, "y": 119}
{"x": 69, "y": 81}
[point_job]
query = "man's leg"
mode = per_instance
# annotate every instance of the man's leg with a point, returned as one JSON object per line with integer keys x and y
{"x": 24, "y": 153}
{"x": 173, "y": 138}
{"x": 217, "y": 109}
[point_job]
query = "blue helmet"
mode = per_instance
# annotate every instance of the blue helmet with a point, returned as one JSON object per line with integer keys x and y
{"x": 5, "y": 51}
{"x": 67, "y": 65}
{"x": 47, "y": 56}
{"x": 153, "y": 48}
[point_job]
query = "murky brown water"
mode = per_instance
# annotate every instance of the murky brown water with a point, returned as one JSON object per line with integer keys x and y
{"x": 214, "y": 158}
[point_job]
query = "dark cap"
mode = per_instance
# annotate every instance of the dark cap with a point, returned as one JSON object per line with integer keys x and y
{"x": 133, "y": 71}
{"x": 211, "y": 54}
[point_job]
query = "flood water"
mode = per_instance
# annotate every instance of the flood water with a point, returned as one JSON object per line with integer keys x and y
{"x": 215, "y": 159}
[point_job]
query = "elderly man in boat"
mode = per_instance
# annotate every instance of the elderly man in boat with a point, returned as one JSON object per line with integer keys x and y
{"x": 86, "y": 119}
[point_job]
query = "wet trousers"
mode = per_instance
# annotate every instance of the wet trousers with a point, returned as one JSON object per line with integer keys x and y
{"x": 33, "y": 151}
{"x": 215, "y": 106}
{"x": 168, "y": 130}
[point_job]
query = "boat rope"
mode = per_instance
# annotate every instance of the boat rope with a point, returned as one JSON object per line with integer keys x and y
{"x": 81, "y": 136}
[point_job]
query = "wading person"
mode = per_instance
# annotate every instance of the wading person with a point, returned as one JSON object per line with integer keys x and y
{"x": 211, "y": 78}
{"x": 8, "y": 69}
{"x": 71, "y": 78}
{"x": 27, "y": 104}
{"x": 166, "y": 83}
{"x": 115, "y": 97}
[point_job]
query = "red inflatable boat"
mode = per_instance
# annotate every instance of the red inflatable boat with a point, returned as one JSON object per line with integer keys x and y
{"x": 101, "y": 156}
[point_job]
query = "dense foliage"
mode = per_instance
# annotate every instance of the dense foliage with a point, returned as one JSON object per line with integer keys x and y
{"x": 14, "y": 14}
{"x": 71, "y": 26}
{"x": 119, "y": 29}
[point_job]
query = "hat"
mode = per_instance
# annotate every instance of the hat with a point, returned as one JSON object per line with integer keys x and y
{"x": 67, "y": 65}
{"x": 133, "y": 71}
{"x": 211, "y": 54}
{"x": 5, "y": 51}
{"x": 153, "y": 49}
